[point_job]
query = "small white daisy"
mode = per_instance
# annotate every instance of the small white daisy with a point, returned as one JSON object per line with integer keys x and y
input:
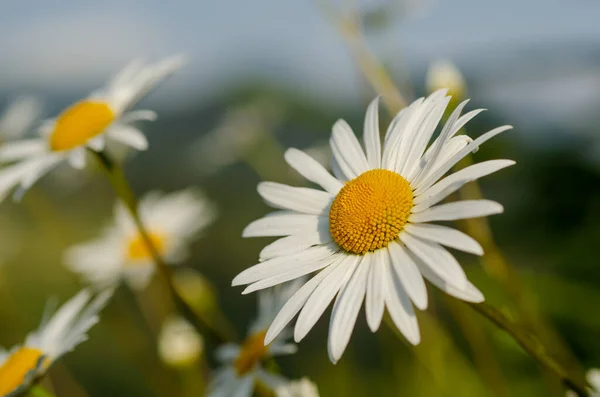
{"x": 172, "y": 220}
{"x": 56, "y": 336}
{"x": 86, "y": 124}
{"x": 19, "y": 117}
{"x": 179, "y": 345}
{"x": 243, "y": 363}
{"x": 369, "y": 230}
{"x": 299, "y": 388}
{"x": 593, "y": 378}
{"x": 445, "y": 74}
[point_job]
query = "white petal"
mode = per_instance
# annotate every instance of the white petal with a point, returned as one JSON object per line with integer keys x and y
{"x": 434, "y": 175}
{"x": 312, "y": 170}
{"x": 97, "y": 144}
{"x": 337, "y": 171}
{"x": 283, "y": 350}
{"x": 371, "y": 136}
{"x": 345, "y": 311}
{"x": 347, "y": 151}
{"x": 138, "y": 115}
{"x": 393, "y": 148}
{"x": 423, "y": 135}
{"x": 400, "y": 308}
{"x": 284, "y": 223}
{"x": 437, "y": 258}
{"x": 12, "y": 151}
{"x": 77, "y": 158}
{"x": 451, "y": 183}
{"x": 295, "y": 243}
{"x": 38, "y": 168}
{"x": 284, "y": 264}
{"x": 294, "y": 304}
{"x": 227, "y": 353}
{"x": 323, "y": 295}
{"x": 446, "y": 236}
{"x": 458, "y": 210}
{"x": 376, "y": 285}
{"x": 298, "y": 271}
{"x": 469, "y": 293}
{"x": 452, "y": 126}
{"x": 244, "y": 388}
{"x": 301, "y": 199}
{"x": 272, "y": 380}
{"x": 408, "y": 274}
{"x": 129, "y": 135}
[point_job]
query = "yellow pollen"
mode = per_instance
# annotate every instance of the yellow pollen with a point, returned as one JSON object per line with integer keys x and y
{"x": 16, "y": 367}
{"x": 253, "y": 350}
{"x": 137, "y": 248}
{"x": 370, "y": 211}
{"x": 78, "y": 124}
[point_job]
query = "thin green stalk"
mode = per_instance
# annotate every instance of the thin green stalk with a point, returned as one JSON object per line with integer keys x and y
{"x": 531, "y": 344}
{"x": 117, "y": 179}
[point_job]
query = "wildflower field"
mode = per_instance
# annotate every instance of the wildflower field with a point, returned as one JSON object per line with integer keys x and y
{"x": 299, "y": 199}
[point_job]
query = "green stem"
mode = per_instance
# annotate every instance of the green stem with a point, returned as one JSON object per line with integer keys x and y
{"x": 119, "y": 181}
{"x": 532, "y": 346}
{"x": 39, "y": 391}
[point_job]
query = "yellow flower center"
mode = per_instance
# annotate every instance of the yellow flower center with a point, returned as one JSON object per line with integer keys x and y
{"x": 16, "y": 367}
{"x": 253, "y": 350}
{"x": 137, "y": 248}
{"x": 370, "y": 211}
{"x": 78, "y": 124}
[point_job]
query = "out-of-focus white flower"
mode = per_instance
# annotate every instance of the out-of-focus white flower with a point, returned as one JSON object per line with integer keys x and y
{"x": 368, "y": 232}
{"x": 242, "y": 364}
{"x": 86, "y": 124}
{"x": 173, "y": 221}
{"x": 593, "y": 378}
{"x": 443, "y": 74}
{"x": 58, "y": 335}
{"x": 179, "y": 344}
{"x": 298, "y": 388}
{"x": 19, "y": 117}
{"x": 240, "y": 131}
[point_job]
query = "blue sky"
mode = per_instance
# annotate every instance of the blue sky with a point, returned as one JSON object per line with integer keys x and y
{"x": 66, "y": 45}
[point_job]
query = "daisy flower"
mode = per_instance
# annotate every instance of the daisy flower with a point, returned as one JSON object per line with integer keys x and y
{"x": 593, "y": 378}
{"x": 86, "y": 124}
{"x": 368, "y": 232}
{"x": 172, "y": 220}
{"x": 242, "y": 364}
{"x": 58, "y": 335}
{"x": 19, "y": 117}
{"x": 299, "y": 388}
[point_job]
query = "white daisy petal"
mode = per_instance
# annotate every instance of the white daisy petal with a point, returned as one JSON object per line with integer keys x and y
{"x": 97, "y": 143}
{"x": 400, "y": 308}
{"x": 437, "y": 258}
{"x": 283, "y": 264}
{"x": 371, "y": 136}
{"x": 430, "y": 178}
{"x": 468, "y": 293}
{"x": 294, "y": 304}
{"x": 337, "y": 171}
{"x": 376, "y": 285}
{"x": 347, "y": 151}
{"x": 38, "y": 168}
{"x": 345, "y": 311}
{"x": 272, "y": 380}
{"x": 301, "y": 199}
{"x": 138, "y": 115}
{"x": 458, "y": 210}
{"x": 396, "y": 146}
{"x": 244, "y": 388}
{"x": 446, "y": 236}
{"x": 295, "y": 243}
{"x": 408, "y": 274}
{"x": 322, "y": 296}
{"x": 310, "y": 169}
{"x": 450, "y": 184}
{"x": 284, "y": 223}
{"x": 18, "y": 150}
{"x": 283, "y": 350}
{"x": 283, "y": 276}
{"x": 128, "y": 135}
{"x": 77, "y": 158}
{"x": 227, "y": 353}
{"x": 423, "y": 135}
